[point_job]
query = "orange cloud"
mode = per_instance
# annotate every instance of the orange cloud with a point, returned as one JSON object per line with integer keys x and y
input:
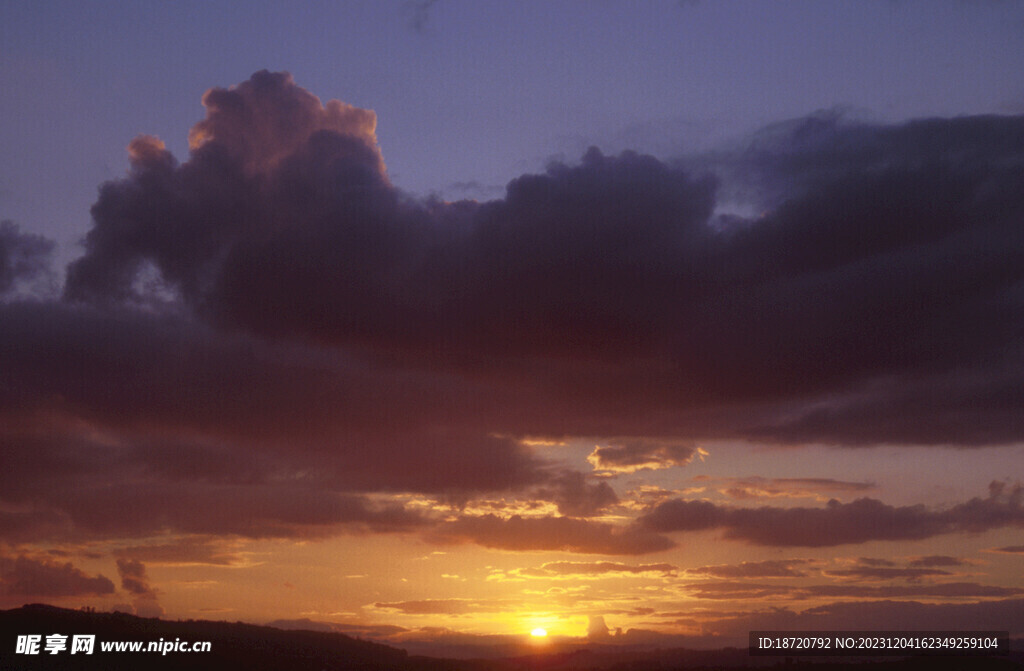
{"x": 571, "y": 569}
{"x": 267, "y": 118}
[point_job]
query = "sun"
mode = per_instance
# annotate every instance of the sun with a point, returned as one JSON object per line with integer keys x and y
{"x": 539, "y": 632}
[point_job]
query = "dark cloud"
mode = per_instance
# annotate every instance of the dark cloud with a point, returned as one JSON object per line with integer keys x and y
{"x": 958, "y": 590}
{"x": 312, "y": 337}
{"x": 757, "y": 487}
{"x": 185, "y": 552}
{"x": 839, "y": 523}
{"x": 251, "y": 510}
{"x": 549, "y": 533}
{"x": 878, "y": 299}
{"x": 576, "y": 497}
{"x": 868, "y": 573}
{"x": 216, "y": 433}
{"x": 135, "y": 581}
{"x": 23, "y": 256}
{"x": 936, "y": 560}
{"x": 735, "y": 589}
{"x": 133, "y": 578}
{"x": 730, "y": 590}
{"x": 25, "y": 577}
{"x": 638, "y": 455}
{"x": 1010, "y": 549}
{"x": 772, "y": 568}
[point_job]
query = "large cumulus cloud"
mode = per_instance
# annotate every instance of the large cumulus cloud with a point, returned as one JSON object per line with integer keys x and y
{"x": 881, "y": 286}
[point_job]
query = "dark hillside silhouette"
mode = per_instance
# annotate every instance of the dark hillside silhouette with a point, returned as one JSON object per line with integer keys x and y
{"x": 236, "y": 645}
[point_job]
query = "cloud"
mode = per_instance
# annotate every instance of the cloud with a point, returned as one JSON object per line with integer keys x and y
{"x": 207, "y": 432}
{"x": 23, "y": 256}
{"x": 26, "y": 577}
{"x": 772, "y": 568}
{"x": 1010, "y": 549}
{"x": 613, "y": 277}
{"x": 135, "y": 581}
{"x": 867, "y": 573}
{"x": 597, "y": 630}
{"x": 937, "y": 560}
{"x": 738, "y": 590}
{"x": 758, "y": 487}
{"x": 251, "y": 510}
{"x": 265, "y": 131}
{"x": 314, "y": 338}
{"x": 645, "y": 497}
{"x": 81, "y": 503}
{"x": 839, "y": 523}
{"x": 575, "y": 497}
{"x": 268, "y": 118}
{"x": 189, "y": 551}
{"x": 549, "y": 534}
{"x": 133, "y": 578}
{"x": 448, "y": 606}
{"x": 639, "y": 455}
{"x": 572, "y": 569}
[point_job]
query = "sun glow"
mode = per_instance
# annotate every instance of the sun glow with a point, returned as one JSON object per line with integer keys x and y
{"x": 539, "y": 632}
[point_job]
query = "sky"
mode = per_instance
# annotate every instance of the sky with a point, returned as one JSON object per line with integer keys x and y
{"x": 439, "y": 322}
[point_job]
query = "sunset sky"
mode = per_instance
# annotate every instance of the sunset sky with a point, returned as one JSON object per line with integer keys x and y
{"x": 648, "y": 322}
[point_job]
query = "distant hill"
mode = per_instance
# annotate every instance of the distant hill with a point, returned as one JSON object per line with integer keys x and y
{"x": 236, "y": 645}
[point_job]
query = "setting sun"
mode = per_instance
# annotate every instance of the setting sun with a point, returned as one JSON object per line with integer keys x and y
{"x": 539, "y": 632}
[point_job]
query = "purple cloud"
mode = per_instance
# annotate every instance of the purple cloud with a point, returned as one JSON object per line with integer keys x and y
{"x": 25, "y": 577}
{"x": 839, "y": 523}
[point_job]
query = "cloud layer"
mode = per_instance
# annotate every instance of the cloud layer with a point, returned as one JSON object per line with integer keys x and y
{"x": 550, "y": 533}
{"x": 877, "y": 299}
{"x": 26, "y": 578}
{"x": 269, "y": 338}
{"x": 838, "y": 523}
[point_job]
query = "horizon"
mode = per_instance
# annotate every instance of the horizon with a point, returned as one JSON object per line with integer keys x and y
{"x": 440, "y": 322}
{"x": 119, "y": 624}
